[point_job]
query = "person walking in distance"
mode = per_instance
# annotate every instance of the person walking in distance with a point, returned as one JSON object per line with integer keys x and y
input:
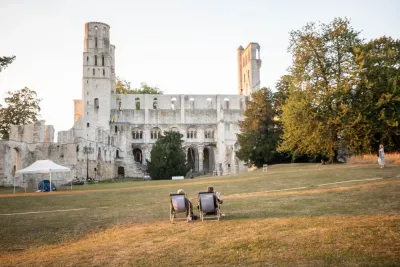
{"x": 381, "y": 154}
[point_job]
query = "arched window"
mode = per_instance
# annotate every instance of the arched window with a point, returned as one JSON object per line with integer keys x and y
{"x": 109, "y": 140}
{"x": 95, "y": 60}
{"x": 116, "y": 128}
{"x": 209, "y": 133}
{"x": 191, "y": 103}
{"x": 102, "y": 60}
{"x": 137, "y": 133}
{"x": 88, "y": 125}
{"x": 104, "y": 31}
{"x": 104, "y": 72}
{"x": 117, "y": 154}
{"x": 226, "y": 103}
{"x": 191, "y": 133}
{"x": 96, "y": 103}
{"x": 155, "y": 133}
{"x": 137, "y": 103}
{"x": 209, "y": 103}
{"x": 155, "y": 103}
{"x": 95, "y": 42}
{"x": 173, "y": 100}
{"x": 87, "y": 59}
{"x": 94, "y": 71}
{"x": 112, "y": 140}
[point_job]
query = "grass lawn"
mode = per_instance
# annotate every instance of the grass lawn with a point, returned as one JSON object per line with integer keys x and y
{"x": 295, "y": 214}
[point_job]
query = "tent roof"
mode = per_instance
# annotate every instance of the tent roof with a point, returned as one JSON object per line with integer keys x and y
{"x": 44, "y": 166}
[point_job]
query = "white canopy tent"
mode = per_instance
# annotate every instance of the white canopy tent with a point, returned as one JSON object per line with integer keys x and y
{"x": 43, "y": 166}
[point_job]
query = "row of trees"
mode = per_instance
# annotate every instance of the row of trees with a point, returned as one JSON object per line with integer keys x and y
{"x": 340, "y": 93}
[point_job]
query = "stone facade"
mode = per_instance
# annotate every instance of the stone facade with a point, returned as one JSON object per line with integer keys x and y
{"x": 120, "y": 130}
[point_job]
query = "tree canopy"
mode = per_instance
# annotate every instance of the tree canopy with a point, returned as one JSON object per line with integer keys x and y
{"x": 259, "y": 132}
{"x": 124, "y": 87}
{"x": 167, "y": 157}
{"x": 5, "y": 61}
{"x": 22, "y": 108}
{"x": 341, "y": 93}
{"x": 375, "y": 111}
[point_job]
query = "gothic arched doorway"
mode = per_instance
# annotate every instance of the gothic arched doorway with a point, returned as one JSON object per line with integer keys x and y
{"x": 192, "y": 159}
{"x": 137, "y": 155}
{"x": 206, "y": 160}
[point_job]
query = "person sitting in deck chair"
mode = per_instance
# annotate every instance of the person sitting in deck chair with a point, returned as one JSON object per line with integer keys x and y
{"x": 217, "y": 201}
{"x": 210, "y": 189}
{"x": 188, "y": 204}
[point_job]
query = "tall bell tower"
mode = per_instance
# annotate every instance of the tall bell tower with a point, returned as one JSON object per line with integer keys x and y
{"x": 98, "y": 81}
{"x": 249, "y": 64}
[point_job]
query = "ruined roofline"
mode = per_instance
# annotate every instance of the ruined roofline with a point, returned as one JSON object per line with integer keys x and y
{"x": 155, "y": 95}
{"x": 250, "y": 45}
{"x": 98, "y": 22}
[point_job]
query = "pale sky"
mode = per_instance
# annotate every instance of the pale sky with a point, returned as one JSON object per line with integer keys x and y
{"x": 182, "y": 46}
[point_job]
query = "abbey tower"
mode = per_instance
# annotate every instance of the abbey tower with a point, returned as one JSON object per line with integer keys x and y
{"x": 98, "y": 81}
{"x": 249, "y": 64}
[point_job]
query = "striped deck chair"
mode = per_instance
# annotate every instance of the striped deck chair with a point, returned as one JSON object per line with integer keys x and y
{"x": 208, "y": 206}
{"x": 178, "y": 205}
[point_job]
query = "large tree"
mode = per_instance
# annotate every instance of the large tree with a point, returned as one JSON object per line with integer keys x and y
{"x": 124, "y": 87}
{"x": 323, "y": 72}
{"x": 5, "y": 61}
{"x": 259, "y": 132}
{"x": 375, "y": 102}
{"x": 22, "y": 107}
{"x": 167, "y": 157}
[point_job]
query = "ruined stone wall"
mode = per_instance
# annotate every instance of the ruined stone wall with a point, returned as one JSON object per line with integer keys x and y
{"x": 32, "y": 133}
{"x": 49, "y": 133}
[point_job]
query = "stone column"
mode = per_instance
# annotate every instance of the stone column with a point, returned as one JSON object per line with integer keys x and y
{"x": 200, "y": 150}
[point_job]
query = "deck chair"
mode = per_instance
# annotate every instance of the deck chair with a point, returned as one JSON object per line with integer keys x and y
{"x": 207, "y": 205}
{"x": 178, "y": 205}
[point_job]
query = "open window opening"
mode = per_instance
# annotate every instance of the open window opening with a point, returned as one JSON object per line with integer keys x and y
{"x": 137, "y": 103}
{"x": 155, "y": 103}
{"x": 173, "y": 100}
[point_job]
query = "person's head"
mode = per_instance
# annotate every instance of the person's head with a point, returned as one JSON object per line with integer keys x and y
{"x": 181, "y": 192}
{"x": 210, "y": 189}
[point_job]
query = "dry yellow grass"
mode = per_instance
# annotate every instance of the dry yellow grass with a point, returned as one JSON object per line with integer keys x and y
{"x": 315, "y": 241}
{"x": 373, "y": 158}
{"x": 126, "y": 224}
